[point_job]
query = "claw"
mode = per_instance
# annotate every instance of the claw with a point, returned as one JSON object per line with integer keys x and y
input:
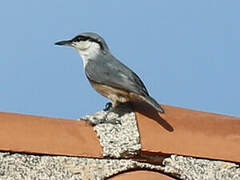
{"x": 113, "y": 121}
{"x": 108, "y": 106}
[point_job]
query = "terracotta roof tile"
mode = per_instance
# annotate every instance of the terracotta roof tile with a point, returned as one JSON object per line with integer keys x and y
{"x": 44, "y": 135}
{"x": 141, "y": 175}
{"x": 189, "y": 132}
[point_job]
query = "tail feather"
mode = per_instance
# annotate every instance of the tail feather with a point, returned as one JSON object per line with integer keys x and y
{"x": 154, "y": 103}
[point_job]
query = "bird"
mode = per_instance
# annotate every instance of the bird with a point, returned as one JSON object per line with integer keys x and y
{"x": 106, "y": 74}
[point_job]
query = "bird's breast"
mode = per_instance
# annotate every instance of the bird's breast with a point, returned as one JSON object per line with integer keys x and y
{"x": 114, "y": 94}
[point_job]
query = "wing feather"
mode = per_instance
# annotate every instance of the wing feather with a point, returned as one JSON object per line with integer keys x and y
{"x": 107, "y": 70}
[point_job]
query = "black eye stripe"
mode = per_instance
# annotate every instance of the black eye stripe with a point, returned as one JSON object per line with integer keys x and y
{"x": 85, "y": 38}
{"x": 79, "y": 38}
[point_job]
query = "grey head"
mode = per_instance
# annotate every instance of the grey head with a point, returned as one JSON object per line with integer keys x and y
{"x": 89, "y": 45}
{"x": 83, "y": 40}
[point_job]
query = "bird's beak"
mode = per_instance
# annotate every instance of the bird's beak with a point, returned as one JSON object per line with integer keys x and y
{"x": 64, "y": 43}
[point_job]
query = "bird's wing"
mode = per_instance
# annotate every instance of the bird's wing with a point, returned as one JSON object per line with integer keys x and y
{"x": 109, "y": 71}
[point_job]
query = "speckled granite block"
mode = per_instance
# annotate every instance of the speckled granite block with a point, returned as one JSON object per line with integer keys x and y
{"x": 120, "y": 139}
{"x": 15, "y": 166}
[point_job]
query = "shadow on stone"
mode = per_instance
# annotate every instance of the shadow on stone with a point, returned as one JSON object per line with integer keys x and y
{"x": 150, "y": 112}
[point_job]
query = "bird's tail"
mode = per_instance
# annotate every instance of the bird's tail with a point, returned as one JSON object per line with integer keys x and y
{"x": 154, "y": 103}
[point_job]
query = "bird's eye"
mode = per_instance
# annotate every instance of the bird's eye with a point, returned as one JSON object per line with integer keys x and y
{"x": 78, "y": 39}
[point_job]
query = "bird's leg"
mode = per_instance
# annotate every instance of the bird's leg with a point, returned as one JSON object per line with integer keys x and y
{"x": 108, "y": 106}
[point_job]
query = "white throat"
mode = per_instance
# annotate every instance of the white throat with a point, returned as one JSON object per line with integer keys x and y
{"x": 89, "y": 52}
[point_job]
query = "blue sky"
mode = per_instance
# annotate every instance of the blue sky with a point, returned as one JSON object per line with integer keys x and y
{"x": 186, "y": 52}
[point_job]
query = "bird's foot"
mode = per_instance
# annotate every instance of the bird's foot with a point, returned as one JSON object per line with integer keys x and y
{"x": 102, "y": 120}
{"x": 108, "y": 107}
{"x": 104, "y": 117}
{"x": 105, "y": 121}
